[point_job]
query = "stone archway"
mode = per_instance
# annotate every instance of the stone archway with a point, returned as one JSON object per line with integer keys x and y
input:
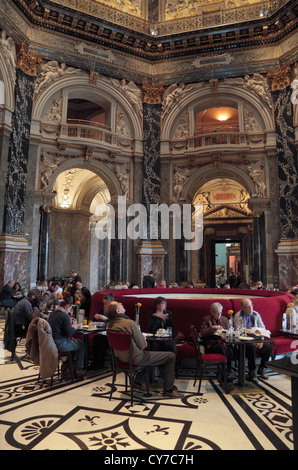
{"x": 228, "y": 223}
{"x": 74, "y": 244}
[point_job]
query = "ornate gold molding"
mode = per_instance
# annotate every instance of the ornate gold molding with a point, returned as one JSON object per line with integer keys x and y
{"x": 281, "y": 78}
{"x": 152, "y": 93}
{"x": 27, "y": 61}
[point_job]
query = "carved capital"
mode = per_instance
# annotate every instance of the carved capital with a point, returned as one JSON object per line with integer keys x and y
{"x": 152, "y": 93}
{"x": 281, "y": 78}
{"x": 27, "y": 61}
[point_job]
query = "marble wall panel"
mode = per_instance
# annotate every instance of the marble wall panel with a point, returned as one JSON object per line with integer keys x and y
{"x": 14, "y": 204}
{"x": 287, "y": 163}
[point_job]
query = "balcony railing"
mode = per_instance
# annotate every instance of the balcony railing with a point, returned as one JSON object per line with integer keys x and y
{"x": 220, "y": 139}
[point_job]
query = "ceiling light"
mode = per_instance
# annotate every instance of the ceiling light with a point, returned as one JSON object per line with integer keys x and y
{"x": 222, "y": 117}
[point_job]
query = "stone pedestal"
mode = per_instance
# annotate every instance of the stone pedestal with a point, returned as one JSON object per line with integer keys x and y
{"x": 13, "y": 258}
{"x": 287, "y": 252}
{"x": 150, "y": 258}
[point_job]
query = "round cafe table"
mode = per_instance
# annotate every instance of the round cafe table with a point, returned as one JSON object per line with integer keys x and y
{"x": 241, "y": 344}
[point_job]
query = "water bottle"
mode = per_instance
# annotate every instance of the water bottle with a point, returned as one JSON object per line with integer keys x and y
{"x": 230, "y": 332}
{"x": 284, "y": 321}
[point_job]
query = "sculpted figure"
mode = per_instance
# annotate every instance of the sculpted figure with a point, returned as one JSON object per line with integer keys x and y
{"x": 52, "y": 71}
{"x": 9, "y": 51}
{"x": 256, "y": 176}
{"x": 179, "y": 183}
{"x": 258, "y": 84}
{"x": 47, "y": 170}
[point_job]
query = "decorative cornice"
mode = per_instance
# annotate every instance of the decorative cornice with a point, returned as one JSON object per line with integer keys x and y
{"x": 131, "y": 39}
{"x": 27, "y": 61}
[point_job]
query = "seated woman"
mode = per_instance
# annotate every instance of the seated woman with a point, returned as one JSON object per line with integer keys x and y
{"x": 160, "y": 317}
{"x": 18, "y": 293}
{"x": 62, "y": 332}
{"x": 210, "y": 325}
{"x": 85, "y": 301}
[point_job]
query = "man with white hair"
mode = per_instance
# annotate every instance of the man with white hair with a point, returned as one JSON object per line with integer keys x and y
{"x": 210, "y": 325}
{"x": 252, "y": 319}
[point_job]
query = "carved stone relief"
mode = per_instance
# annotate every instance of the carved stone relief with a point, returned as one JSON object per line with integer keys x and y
{"x": 50, "y": 72}
{"x": 8, "y": 50}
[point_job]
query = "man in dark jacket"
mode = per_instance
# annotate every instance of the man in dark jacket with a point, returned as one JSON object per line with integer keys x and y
{"x": 149, "y": 281}
{"x": 6, "y": 294}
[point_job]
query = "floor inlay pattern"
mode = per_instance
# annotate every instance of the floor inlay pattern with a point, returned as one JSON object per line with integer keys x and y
{"x": 80, "y": 416}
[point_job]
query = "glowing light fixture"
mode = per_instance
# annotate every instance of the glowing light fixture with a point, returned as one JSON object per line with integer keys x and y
{"x": 222, "y": 117}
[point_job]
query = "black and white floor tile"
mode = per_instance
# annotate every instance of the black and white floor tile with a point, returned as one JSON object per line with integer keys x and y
{"x": 80, "y": 416}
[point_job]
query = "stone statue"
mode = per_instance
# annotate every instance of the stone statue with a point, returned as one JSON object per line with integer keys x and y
{"x": 133, "y": 94}
{"x": 122, "y": 177}
{"x": 172, "y": 95}
{"x": 47, "y": 170}
{"x": 54, "y": 113}
{"x": 259, "y": 85}
{"x": 9, "y": 52}
{"x": 256, "y": 176}
{"x": 179, "y": 183}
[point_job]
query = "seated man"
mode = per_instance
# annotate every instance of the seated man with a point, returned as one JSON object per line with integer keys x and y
{"x": 7, "y": 293}
{"x": 63, "y": 331}
{"x": 119, "y": 321}
{"x": 248, "y": 317}
{"x": 210, "y": 325}
{"x": 49, "y": 296}
{"x": 100, "y": 345}
{"x": 159, "y": 318}
{"x": 23, "y": 313}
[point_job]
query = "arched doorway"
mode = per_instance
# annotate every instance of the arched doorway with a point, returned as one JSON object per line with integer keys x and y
{"x": 227, "y": 242}
{"x": 74, "y": 244}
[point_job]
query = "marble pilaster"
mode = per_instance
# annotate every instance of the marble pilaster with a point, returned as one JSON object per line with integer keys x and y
{"x": 288, "y": 175}
{"x": 14, "y": 245}
{"x": 151, "y": 253}
{"x": 43, "y": 244}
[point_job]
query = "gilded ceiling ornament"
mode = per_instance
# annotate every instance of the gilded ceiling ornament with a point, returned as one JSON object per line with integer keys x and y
{"x": 281, "y": 78}
{"x": 27, "y": 61}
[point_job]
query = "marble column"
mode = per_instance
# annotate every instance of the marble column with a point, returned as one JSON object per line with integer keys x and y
{"x": 151, "y": 253}
{"x": 287, "y": 249}
{"x": 43, "y": 244}
{"x": 118, "y": 254}
{"x": 14, "y": 245}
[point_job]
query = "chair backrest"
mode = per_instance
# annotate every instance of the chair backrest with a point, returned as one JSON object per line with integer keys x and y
{"x": 119, "y": 340}
{"x": 194, "y": 337}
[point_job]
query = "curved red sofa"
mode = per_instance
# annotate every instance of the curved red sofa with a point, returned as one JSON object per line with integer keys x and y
{"x": 270, "y": 304}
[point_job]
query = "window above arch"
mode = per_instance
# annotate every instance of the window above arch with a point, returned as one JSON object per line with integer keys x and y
{"x": 86, "y": 112}
{"x": 216, "y": 119}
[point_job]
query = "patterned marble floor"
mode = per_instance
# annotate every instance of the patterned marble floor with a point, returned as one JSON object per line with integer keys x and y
{"x": 79, "y": 415}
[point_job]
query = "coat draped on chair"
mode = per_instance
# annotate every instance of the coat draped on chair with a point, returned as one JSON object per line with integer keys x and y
{"x": 41, "y": 347}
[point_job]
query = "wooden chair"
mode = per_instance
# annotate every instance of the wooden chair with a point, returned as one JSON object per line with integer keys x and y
{"x": 120, "y": 341}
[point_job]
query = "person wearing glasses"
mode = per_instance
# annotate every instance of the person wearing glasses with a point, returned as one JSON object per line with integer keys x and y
{"x": 248, "y": 317}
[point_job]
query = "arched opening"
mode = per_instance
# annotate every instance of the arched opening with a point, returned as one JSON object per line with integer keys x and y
{"x": 73, "y": 220}
{"x": 81, "y": 111}
{"x": 226, "y": 254}
{"x": 217, "y": 119}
